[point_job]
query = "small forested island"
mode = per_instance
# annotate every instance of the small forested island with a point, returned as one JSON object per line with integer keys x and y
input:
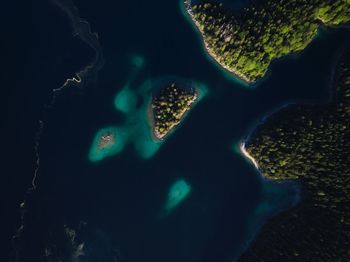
{"x": 246, "y": 42}
{"x": 309, "y": 144}
{"x": 169, "y": 105}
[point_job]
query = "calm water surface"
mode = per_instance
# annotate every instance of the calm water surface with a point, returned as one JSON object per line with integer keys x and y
{"x": 119, "y": 199}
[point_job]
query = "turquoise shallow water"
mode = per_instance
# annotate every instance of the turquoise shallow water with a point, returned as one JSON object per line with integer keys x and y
{"x": 118, "y": 200}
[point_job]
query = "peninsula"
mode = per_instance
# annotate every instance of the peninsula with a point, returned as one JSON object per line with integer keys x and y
{"x": 246, "y": 42}
{"x": 309, "y": 144}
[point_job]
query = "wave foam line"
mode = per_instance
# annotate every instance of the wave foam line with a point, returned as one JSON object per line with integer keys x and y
{"x": 81, "y": 29}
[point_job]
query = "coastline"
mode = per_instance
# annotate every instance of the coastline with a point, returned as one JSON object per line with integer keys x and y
{"x": 186, "y": 6}
{"x": 315, "y": 102}
{"x": 150, "y": 121}
{"x": 233, "y": 73}
{"x": 298, "y": 204}
{"x": 239, "y": 76}
{"x": 242, "y": 143}
{"x": 265, "y": 219}
{"x": 248, "y": 156}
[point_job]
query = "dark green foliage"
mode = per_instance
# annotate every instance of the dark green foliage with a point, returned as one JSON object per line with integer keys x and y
{"x": 246, "y": 43}
{"x": 334, "y": 12}
{"x": 309, "y": 143}
{"x": 169, "y": 106}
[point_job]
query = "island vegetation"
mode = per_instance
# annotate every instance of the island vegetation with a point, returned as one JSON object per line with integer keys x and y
{"x": 169, "y": 106}
{"x": 246, "y": 42}
{"x": 309, "y": 144}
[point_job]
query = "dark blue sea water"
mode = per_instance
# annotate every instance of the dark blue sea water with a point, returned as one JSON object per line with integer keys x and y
{"x": 113, "y": 206}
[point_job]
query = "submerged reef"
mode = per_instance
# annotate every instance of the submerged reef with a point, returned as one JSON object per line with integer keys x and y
{"x": 179, "y": 190}
{"x": 246, "y": 42}
{"x": 309, "y": 144}
{"x": 169, "y": 106}
{"x": 125, "y": 100}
